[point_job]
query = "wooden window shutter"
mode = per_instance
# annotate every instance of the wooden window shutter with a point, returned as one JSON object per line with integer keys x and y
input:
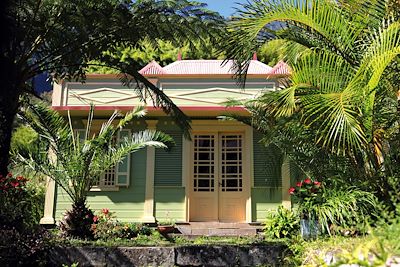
{"x": 123, "y": 168}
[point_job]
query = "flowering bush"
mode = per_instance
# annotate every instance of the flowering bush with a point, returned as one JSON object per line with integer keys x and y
{"x": 14, "y": 199}
{"x": 23, "y": 243}
{"x": 10, "y": 184}
{"x": 306, "y": 190}
{"x": 106, "y": 226}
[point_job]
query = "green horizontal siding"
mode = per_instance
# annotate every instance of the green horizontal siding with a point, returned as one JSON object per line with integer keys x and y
{"x": 263, "y": 200}
{"x": 267, "y": 163}
{"x": 127, "y": 203}
{"x": 168, "y": 163}
{"x": 169, "y": 203}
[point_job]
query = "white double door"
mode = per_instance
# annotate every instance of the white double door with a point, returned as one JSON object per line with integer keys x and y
{"x": 218, "y": 186}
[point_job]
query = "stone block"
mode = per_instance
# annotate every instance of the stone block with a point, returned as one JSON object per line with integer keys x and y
{"x": 85, "y": 256}
{"x": 206, "y": 256}
{"x": 141, "y": 256}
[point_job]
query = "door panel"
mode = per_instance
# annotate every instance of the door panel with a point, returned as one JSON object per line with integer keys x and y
{"x": 232, "y": 202}
{"x": 217, "y": 183}
{"x": 204, "y": 196}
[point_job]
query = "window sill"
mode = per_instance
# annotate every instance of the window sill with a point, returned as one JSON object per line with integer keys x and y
{"x": 104, "y": 189}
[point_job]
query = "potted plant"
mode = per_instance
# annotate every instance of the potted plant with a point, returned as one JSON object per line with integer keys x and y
{"x": 167, "y": 226}
{"x": 308, "y": 194}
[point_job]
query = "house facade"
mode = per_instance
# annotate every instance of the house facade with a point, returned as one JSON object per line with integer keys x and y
{"x": 222, "y": 174}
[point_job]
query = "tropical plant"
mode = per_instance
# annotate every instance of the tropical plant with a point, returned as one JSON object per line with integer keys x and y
{"x": 76, "y": 162}
{"x": 343, "y": 210}
{"x": 62, "y": 37}
{"x": 282, "y": 223}
{"x": 338, "y": 80}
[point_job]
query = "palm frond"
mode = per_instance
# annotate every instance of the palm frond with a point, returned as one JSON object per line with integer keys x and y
{"x": 281, "y": 103}
{"x": 339, "y": 124}
{"x": 322, "y": 19}
{"x": 383, "y": 48}
{"x": 323, "y": 70}
{"x": 76, "y": 167}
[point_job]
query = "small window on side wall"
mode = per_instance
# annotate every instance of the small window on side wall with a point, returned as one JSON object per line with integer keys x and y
{"x": 117, "y": 176}
{"x": 122, "y": 169}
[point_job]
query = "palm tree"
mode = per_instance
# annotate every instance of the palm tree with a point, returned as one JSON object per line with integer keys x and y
{"x": 340, "y": 77}
{"x": 76, "y": 161}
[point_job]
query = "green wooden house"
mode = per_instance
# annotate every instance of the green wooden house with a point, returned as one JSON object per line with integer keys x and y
{"x": 222, "y": 174}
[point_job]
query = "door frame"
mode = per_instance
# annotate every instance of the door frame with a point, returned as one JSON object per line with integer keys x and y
{"x": 248, "y": 172}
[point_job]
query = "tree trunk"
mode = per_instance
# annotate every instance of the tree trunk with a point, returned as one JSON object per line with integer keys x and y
{"x": 9, "y": 91}
{"x": 8, "y": 108}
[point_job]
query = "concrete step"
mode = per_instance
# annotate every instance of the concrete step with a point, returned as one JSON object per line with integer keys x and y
{"x": 218, "y": 229}
{"x": 224, "y": 232}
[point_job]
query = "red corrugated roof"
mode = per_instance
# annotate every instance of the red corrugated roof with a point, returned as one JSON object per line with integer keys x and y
{"x": 281, "y": 68}
{"x": 152, "y": 68}
{"x": 187, "y": 67}
{"x": 212, "y": 67}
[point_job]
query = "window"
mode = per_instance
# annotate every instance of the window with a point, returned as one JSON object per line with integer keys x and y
{"x": 114, "y": 177}
{"x": 106, "y": 181}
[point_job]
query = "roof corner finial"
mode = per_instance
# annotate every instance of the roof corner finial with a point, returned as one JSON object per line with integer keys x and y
{"x": 255, "y": 56}
{"x": 179, "y": 55}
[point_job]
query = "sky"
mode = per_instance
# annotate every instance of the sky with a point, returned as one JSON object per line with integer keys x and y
{"x": 224, "y": 7}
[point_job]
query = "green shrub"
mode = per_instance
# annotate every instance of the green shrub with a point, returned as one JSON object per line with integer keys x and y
{"x": 21, "y": 203}
{"x": 283, "y": 223}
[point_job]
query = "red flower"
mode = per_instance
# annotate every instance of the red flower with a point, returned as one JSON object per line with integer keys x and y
{"x": 292, "y": 190}
{"x": 14, "y": 184}
{"x": 307, "y": 181}
{"x": 22, "y": 179}
{"x": 105, "y": 211}
{"x": 95, "y": 219}
{"x": 317, "y": 183}
{"x": 9, "y": 174}
{"x": 299, "y": 184}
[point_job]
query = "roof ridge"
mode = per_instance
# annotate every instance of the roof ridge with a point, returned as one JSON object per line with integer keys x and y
{"x": 261, "y": 63}
{"x": 281, "y": 64}
{"x": 153, "y": 64}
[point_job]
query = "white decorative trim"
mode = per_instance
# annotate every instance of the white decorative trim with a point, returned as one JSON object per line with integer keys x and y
{"x": 85, "y": 95}
{"x": 208, "y": 90}
{"x": 56, "y": 97}
{"x": 104, "y": 188}
{"x": 217, "y": 82}
{"x": 186, "y": 172}
{"x": 148, "y": 216}
{"x": 248, "y": 146}
{"x": 120, "y": 94}
{"x": 48, "y": 217}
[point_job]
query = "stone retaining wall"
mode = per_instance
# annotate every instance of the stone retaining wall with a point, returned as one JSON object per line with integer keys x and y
{"x": 255, "y": 255}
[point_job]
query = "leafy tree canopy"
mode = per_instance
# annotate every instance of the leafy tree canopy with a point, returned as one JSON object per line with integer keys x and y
{"x": 63, "y": 37}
